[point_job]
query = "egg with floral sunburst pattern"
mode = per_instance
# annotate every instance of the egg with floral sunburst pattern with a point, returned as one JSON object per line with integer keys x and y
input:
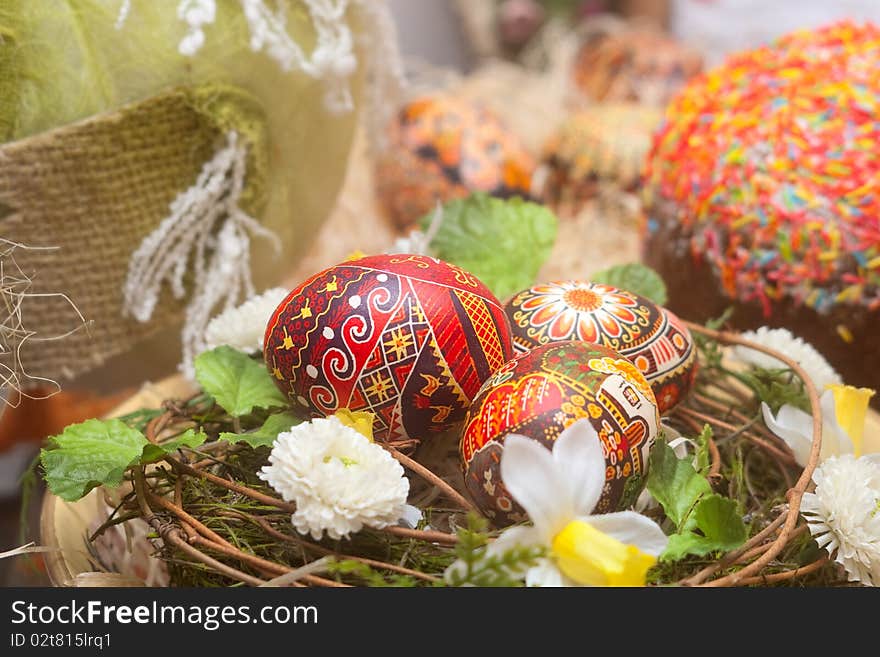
{"x": 654, "y": 339}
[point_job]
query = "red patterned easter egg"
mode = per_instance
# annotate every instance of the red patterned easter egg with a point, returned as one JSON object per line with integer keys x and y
{"x": 540, "y": 393}
{"x": 653, "y": 338}
{"x": 407, "y": 337}
{"x": 440, "y": 148}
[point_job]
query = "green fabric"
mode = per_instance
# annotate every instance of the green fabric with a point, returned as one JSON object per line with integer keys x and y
{"x": 10, "y": 75}
{"x": 229, "y": 108}
{"x": 67, "y": 61}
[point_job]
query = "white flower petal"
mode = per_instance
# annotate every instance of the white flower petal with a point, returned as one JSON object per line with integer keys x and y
{"x": 516, "y": 536}
{"x": 411, "y": 516}
{"x": 512, "y": 537}
{"x": 842, "y": 514}
{"x": 834, "y": 439}
{"x": 633, "y": 529}
{"x": 546, "y": 574}
{"x": 680, "y": 446}
{"x": 579, "y": 458}
{"x": 794, "y": 426}
{"x": 529, "y": 472}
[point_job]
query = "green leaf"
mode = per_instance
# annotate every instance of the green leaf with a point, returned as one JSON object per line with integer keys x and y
{"x": 236, "y": 381}
{"x": 776, "y": 387}
{"x": 717, "y": 517}
{"x": 718, "y": 323}
{"x": 631, "y": 491}
{"x": 502, "y": 242}
{"x": 90, "y": 454}
{"x": 266, "y": 434}
{"x": 702, "y": 455}
{"x": 189, "y": 438}
{"x": 675, "y": 484}
{"x": 720, "y": 525}
{"x": 634, "y": 277}
{"x": 705, "y": 521}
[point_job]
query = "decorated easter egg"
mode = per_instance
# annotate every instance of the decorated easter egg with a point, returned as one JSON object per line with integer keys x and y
{"x": 653, "y": 338}
{"x": 407, "y": 337}
{"x": 440, "y": 148}
{"x": 540, "y": 393}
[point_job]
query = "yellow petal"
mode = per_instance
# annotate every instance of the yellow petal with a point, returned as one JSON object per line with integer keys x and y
{"x": 357, "y": 254}
{"x": 360, "y": 421}
{"x": 591, "y": 557}
{"x": 850, "y": 409}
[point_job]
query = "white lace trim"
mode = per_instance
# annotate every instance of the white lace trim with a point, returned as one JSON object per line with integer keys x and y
{"x": 332, "y": 60}
{"x": 205, "y": 225}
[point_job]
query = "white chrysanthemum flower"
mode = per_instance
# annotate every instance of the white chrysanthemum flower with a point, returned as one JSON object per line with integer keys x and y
{"x": 844, "y": 514}
{"x": 782, "y": 340}
{"x": 243, "y": 327}
{"x": 338, "y": 479}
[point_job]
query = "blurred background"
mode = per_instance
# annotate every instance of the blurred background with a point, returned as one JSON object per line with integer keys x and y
{"x": 485, "y": 45}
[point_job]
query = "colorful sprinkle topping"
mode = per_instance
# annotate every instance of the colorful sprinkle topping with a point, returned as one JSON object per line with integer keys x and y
{"x": 772, "y": 160}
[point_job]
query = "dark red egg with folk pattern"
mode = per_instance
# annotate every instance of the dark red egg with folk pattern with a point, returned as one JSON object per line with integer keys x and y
{"x": 653, "y": 338}
{"x": 440, "y": 148}
{"x": 407, "y": 337}
{"x": 539, "y": 394}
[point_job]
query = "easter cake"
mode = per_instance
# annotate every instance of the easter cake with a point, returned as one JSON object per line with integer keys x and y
{"x": 761, "y": 193}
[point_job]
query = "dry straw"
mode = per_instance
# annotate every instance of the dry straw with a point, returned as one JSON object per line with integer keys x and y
{"x": 16, "y": 329}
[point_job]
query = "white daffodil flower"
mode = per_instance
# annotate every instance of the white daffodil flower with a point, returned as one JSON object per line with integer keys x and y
{"x": 844, "y": 410}
{"x": 559, "y": 491}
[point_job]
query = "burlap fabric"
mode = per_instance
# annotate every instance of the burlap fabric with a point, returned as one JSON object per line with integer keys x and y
{"x": 96, "y": 189}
